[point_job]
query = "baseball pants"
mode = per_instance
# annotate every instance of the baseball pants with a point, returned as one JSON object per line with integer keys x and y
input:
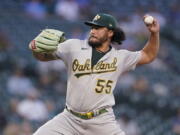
{"x": 66, "y": 123}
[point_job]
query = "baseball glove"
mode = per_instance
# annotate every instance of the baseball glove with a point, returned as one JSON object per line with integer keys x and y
{"x": 47, "y": 41}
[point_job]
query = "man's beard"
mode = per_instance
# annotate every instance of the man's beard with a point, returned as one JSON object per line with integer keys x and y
{"x": 94, "y": 44}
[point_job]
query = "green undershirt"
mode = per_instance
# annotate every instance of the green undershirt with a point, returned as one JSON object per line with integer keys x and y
{"x": 97, "y": 55}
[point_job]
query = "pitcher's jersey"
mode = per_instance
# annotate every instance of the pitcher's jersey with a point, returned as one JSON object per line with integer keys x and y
{"x": 92, "y": 88}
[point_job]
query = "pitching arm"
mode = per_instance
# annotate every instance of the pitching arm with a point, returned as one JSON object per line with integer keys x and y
{"x": 150, "y": 51}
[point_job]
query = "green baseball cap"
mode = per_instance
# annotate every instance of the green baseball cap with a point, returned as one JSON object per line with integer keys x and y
{"x": 103, "y": 20}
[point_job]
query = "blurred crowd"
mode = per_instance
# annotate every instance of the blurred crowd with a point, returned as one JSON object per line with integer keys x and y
{"x": 70, "y": 10}
{"x": 31, "y": 92}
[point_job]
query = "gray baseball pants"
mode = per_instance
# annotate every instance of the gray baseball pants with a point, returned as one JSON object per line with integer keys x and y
{"x": 66, "y": 123}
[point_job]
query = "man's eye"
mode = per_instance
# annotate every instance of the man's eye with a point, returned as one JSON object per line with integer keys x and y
{"x": 95, "y": 27}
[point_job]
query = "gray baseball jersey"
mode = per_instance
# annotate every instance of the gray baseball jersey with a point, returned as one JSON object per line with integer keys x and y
{"x": 88, "y": 87}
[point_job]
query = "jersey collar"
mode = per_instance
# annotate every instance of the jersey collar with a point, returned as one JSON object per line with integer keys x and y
{"x": 106, "y": 56}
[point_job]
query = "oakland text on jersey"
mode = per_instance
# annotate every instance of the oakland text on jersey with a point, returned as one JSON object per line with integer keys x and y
{"x": 100, "y": 67}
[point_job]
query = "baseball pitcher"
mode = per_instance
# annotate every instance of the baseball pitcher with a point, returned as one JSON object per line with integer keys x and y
{"x": 93, "y": 67}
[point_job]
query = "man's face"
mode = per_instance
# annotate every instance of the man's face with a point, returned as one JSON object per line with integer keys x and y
{"x": 98, "y": 35}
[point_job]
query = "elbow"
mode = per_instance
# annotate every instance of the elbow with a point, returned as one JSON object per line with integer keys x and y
{"x": 151, "y": 60}
{"x": 152, "y": 57}
{"x": 147, "y": 58}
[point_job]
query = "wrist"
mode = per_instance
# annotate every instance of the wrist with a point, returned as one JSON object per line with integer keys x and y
{"x": 155, "y": 33}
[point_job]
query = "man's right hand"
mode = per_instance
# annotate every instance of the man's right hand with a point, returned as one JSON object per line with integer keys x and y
{"x": 47, "y": 41}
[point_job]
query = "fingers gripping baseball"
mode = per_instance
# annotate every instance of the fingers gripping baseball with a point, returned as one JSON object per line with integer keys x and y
{"x": 47, "y": 41}
{"x": 151, "y": 23}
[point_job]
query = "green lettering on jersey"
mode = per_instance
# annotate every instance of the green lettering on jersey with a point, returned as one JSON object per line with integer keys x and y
{"x": 100, "y": 67}
{"x": 106, "y": 66}
{"x": 76, "y": 66}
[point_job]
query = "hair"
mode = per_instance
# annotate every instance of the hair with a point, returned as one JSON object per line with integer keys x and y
{"x": 118, "y": 36}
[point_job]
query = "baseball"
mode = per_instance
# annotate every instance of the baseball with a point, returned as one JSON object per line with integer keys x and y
{"x": 148, "y": 19}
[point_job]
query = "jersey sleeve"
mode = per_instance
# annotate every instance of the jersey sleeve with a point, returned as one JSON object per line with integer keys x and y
{"x": 130, "y": 60}
{"x": 63, "y": 51}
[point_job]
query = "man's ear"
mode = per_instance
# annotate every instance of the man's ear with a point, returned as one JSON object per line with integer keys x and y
{"x": 111, "y": 33}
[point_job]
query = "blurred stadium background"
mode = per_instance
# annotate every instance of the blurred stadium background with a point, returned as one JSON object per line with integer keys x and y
{"x": 31, "y": 92}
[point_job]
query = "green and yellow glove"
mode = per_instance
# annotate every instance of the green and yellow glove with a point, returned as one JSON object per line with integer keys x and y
{"x": 47, "y": 41}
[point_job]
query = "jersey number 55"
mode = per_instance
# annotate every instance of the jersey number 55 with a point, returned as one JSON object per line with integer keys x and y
{"x": 103, "y": 86}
